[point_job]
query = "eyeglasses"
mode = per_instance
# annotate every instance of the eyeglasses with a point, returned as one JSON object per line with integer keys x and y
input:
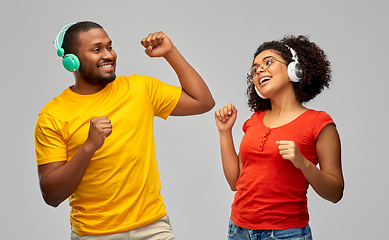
{"x": 266, "y": 63}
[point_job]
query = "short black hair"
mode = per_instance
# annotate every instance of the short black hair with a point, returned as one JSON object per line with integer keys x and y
{"x": 70, "y": 39}
{"x": 315, "y": 65}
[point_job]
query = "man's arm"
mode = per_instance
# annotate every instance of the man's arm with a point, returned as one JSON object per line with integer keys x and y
{"x": 59, "y": 180}
{"x": 196, "y": 97}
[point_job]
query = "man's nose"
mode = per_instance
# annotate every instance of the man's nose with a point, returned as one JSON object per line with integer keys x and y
{"x": 107, "y": 54}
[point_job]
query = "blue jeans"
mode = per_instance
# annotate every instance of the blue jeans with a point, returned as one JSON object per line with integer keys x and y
{"x": 239, "y": 233}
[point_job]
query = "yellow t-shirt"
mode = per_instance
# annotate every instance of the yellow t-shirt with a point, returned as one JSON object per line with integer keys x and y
{"x": 120, "y": 189}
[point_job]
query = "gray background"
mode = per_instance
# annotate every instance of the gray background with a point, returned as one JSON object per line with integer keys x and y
{"x": 218, "y": 38}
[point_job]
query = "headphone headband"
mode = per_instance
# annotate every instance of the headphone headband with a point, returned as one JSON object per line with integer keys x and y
{"x": 294, "y": 54}
{"x": 69, "y": 61}
{"x": 59, "y": 39}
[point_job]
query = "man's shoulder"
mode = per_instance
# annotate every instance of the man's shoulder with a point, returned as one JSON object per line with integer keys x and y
{"x": 135, "y": 82}
{"x": 54, "y": 103}
{"x": 134, "y": 78}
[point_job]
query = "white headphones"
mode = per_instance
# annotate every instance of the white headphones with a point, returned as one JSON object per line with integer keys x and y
{"x": 295, "y": 72}
{"x": 259, "y": 93}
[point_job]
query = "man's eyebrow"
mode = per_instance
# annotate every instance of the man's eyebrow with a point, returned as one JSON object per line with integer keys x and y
{"x": 100, "y": 43}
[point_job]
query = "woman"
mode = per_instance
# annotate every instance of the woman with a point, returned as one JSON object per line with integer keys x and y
{"x": 283, "y": 143}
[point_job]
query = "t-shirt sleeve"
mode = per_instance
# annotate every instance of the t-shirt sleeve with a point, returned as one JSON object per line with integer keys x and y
{"x": 164, "y": 97}
{"x": 321, "y": 120}
{"x": 49, "y": 143}
{"x": 245, "y": 125}
{"x": 251, "y": 121}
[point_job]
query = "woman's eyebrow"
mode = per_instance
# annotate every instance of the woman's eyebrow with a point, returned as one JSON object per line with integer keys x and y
{"x": 267, "y": 57}
{"x": 257, "y": 64}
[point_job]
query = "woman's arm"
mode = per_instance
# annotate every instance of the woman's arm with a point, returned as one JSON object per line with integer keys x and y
{"x": 225, "y": 119}
{"x": 328, "y": 180}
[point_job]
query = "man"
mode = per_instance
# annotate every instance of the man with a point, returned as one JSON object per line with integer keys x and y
{"x": 95, "y": 143}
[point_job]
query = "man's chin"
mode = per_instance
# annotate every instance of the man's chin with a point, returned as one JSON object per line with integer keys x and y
{"x": 102, "y": 81}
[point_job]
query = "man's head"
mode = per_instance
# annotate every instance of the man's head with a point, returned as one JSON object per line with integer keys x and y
{"x": 70, "y": 39}
{"x": 91, "y": 44}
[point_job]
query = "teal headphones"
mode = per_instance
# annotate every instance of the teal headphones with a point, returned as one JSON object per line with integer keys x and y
{"x": 69, "y": 61}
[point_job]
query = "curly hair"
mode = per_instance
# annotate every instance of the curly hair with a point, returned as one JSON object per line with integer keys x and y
{"x": 315, "y": 65}
{"x": 70, "y": 39}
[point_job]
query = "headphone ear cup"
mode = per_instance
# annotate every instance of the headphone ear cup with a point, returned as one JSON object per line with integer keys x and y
{"x": 71, "y": 62}
{"x": 295, "y": 71}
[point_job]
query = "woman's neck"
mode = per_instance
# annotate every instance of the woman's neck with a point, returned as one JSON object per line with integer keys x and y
{"x": 283, "y": 111}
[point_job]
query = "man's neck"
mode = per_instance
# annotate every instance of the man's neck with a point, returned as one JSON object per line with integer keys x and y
{"x": 86, "y": 89}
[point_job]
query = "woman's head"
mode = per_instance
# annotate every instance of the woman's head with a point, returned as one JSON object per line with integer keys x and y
{"x": 313, "y": 61}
